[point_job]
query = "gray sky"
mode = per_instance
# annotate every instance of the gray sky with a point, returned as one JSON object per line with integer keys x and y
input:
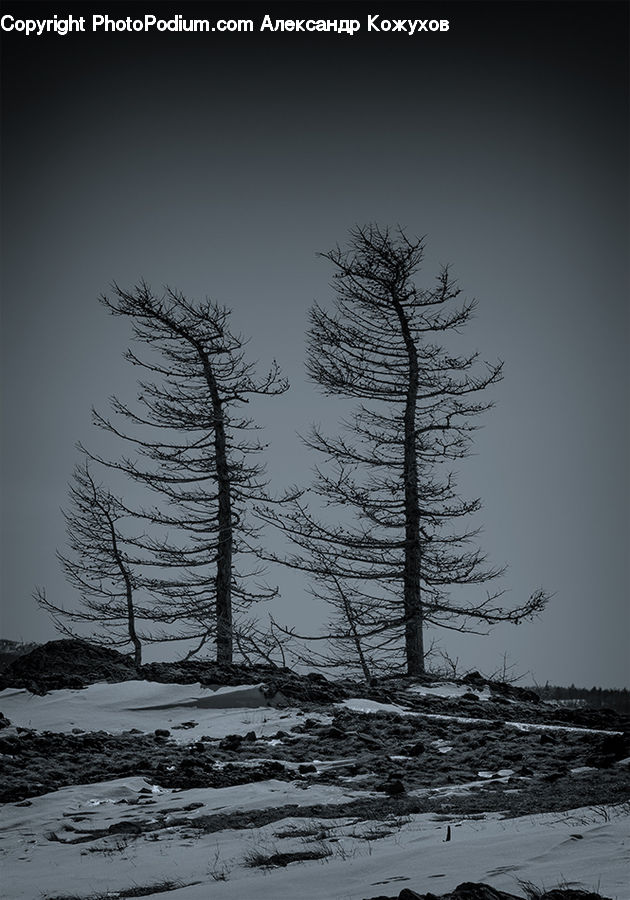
{"x": 221, "y": 165}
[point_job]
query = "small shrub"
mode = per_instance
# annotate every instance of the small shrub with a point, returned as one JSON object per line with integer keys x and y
{"x": 256, "y": 859}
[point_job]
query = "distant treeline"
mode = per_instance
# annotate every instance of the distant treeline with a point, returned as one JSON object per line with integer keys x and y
{"x": 595, "y": 696}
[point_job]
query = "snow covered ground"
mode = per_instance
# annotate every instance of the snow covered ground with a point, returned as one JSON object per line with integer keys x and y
{"x": 588, "y": 847}
{"x": 148, "y": 705}
{"x": 102, "y": 838}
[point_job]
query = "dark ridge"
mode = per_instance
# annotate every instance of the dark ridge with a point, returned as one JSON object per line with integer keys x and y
{"x": 72, "y": 663}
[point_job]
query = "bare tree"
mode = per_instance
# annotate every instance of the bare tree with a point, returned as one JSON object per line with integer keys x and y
{"x": 97, "y": 565}
{"x": 401, "y": 539}
{"x": 197, "y": 455}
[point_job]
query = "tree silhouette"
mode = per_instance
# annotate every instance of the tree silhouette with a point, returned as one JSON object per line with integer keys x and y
{"x": 98, "y": 566}
{"x": 402, "y": 537}
{"x": 196, "y": 453}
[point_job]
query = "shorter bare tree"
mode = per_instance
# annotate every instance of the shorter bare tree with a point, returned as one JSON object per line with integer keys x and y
{"x": 194, "y": 451}
{"x": 98, "y": 566}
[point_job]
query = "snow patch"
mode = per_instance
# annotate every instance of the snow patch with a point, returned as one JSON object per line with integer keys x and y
{"x": 147, "y": 705}
{"x": 542, "y": 849}
{"x": 363, "y": 705}
{"x": 449, "y": 689}
{"x": 360, "y": 704}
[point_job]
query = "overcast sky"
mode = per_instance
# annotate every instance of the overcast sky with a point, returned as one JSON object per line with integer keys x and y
{"x": 221, "y": 164}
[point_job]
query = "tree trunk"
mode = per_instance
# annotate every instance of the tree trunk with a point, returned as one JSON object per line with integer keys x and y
{"x": 414, "y": 644}
{"x": 131, "y": 618}
{"x": 347, "y": 606}
{"x": 131, "y": 623}
{"x": 223, "y": 579}
{"x": 224, "y": 552}
{"x": 414, "y": 614}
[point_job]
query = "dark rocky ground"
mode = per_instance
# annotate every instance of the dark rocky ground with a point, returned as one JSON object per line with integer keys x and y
{"x": 399, "y": 757}
{"x": 541, "y": 761}
{"x": 470, "y": 891}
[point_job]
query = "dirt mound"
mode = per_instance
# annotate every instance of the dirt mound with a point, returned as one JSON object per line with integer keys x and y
{"x": 10, "y": 650}
{"x": 74, "y": 663}
{"x": 69, "y": 663}
{"x": 311, "y": 688}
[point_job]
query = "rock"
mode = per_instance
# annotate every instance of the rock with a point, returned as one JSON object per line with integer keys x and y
{"x": 474, "y": 891}
{"x": 473, "y": 678}
{"x": 306, "y": 768}
{"x": 308, "y": 724}
{"x": 465, "y": 891}
{"x": 162, "y": 732}
{"x": 616, "y": 746}
{"x": 469, "y": 890}
{"x": 417, "y": 749}
{"x": 393, "y": 787}
{"x": 4, "y": 722}
{"x": 9, "y": 746}
{"x": 311, "y": 688}
{"x": 396, "y": 788}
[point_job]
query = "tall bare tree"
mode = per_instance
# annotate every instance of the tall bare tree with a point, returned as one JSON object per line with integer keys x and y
{"x": 98, "y": 566}
{"x": 402, "y": 537}
{"x": 196, "y": 453}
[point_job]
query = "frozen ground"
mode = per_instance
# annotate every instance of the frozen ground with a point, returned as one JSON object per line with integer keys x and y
{"x": 148, "y": 705}
{"x": 585, "y": 846}
{"x": 333, "y": 824}
{"x": 360, "y": 704}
